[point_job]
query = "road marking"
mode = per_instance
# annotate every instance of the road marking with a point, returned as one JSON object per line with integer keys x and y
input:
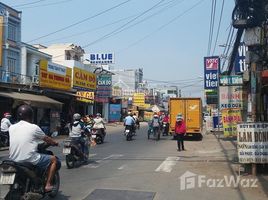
{"x": 168, "y": 164}
{"x": 103, "y": 161}
{"x": 122, "y": 167}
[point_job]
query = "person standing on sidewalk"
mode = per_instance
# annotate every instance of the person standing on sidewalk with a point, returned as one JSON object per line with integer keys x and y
{"x": 180, "y": 131}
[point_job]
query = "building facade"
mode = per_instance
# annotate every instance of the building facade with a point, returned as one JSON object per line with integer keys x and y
{"x": 10, "y": 40}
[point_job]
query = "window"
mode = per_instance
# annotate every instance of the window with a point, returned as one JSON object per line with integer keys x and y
{"x": 11, "y": 64}
{"x": 68, "y": 55}
{"x": 12, "y": 32}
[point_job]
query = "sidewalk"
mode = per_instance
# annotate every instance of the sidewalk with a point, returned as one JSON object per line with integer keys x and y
{"x": 216, "y": 157}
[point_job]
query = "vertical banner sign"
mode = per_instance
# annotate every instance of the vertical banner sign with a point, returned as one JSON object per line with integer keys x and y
{"x": 230, "y": 119}
{"x": 252, "y": 142}
{"x": 115, "y": 112}
{"x": 1, "y": 39}
{"x": 211, "y": 71}
{"x": 240, "y": 60}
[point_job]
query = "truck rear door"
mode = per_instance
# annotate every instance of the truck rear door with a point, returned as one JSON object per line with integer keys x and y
{"x": 176, "y": 106}
{"x": 193, "y": 116}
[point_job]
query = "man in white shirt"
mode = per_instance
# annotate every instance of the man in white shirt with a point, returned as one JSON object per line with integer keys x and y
{"x": 5, "y": 124}
{"x": 24, "y": 140}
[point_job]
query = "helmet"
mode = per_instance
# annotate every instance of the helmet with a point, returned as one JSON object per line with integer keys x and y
{"x": 155, "y": 116}
{"x": 179, "y": 117}
{"x": 129, "y": 113}
{"x": 25, "y": 112}
{"x": 7, "y": 115}
{"x": 76, "y": 117}
{"x": 98, "y": 115}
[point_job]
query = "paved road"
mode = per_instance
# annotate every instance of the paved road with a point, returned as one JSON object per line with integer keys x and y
{"x": 149, "y": 169}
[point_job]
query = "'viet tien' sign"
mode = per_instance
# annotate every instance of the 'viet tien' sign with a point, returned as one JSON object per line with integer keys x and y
{"x": 252, "y": 142}
{"x": 211, "y": 69}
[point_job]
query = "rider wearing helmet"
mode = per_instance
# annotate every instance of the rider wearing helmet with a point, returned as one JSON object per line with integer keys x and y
{"x": 24, "y": 140}
{"x": 77, "y": 128}
{"x": 130, "y": 121}
{"x": 99, "y": 123}
{"x": 5, "y": 124}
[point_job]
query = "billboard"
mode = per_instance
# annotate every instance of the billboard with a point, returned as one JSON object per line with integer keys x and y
{"x": 83, "y": 79}
{"x": 211, "y": 71}
{"x": 230, "y": 119}
{"x": 84, "y": 96}
{"x": 138, "y": 99}
{"x": 54, "y": 76}
{"x": 252, "y": 142}
{"x": 1, "y": 39}
{"x": 101, "y": 58}
{"x": 115, "y": 112}
{"x": 231, "y": 80}
{"x": 232, "y": 97}
{"x": 240, "y": 64}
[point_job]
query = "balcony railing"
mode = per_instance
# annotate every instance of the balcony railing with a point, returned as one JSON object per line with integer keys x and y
{"x": 15, "y": 78}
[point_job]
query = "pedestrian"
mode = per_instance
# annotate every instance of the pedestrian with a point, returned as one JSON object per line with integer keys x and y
{"x": 180, "y": 131}
{"x": 5, "y": 124}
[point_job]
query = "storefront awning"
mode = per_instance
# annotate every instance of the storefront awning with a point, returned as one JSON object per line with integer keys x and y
{"x": 39, "y": 101}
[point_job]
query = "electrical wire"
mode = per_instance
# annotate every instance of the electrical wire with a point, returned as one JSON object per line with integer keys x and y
{"x": 30, "y": 3}
{"x": 79, "y": 22}
{"x": 212, "y": 20}
{"x": 218, "y": 30}
{"x": 48, "y": 4}
{"x": 161, "y": 27}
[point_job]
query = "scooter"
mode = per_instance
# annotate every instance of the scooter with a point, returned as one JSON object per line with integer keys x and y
{"x": 26, "y": 181}
{"x": 72, "y": 150}
{"x": 128, "y": 133}
{"x": 165, "y": 127}
{"x": 98, "y": 135}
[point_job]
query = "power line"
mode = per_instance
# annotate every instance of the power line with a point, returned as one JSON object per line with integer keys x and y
{"x": 48, "y": 4}
{"x": 124, "y": 25}
{"x": 81, "y": 21}
{"x": 216, "y": 40}
{"x": 212, "y": 19}
{"x": 25, "y": 4}
{"x": 163, "y": 26}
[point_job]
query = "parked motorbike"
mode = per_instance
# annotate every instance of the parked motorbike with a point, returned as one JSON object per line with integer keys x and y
{"x": 128, "y": 133}
{"x": 4, "y": 140}
{"x": 73, "y": 152}
{"x": 98, "y": 135}
{"x": 26, "y": 181}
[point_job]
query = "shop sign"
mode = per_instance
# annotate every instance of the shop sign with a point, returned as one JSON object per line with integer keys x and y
{"x": 54, "y": 76}
{"x": 101, "y": 58}
{"x": 240, "y": 64}
{"x": 84, "y": 96}
{"x": 104, "y": 80}
{"x": 104, "y": 86}
{"x": 211, "y": 69}
{"x": 115, "y": 112}
{"x": 116, "y": 92}
{"x": 231, "y": 80}
{"x": 1, "y": 39}
{"x": 83, "y": 79}
{"x": 252, "y": 142}
{"x": 232, "y": 97}
{"x": 230, "y": 119}
{"x": 138, "y": 99}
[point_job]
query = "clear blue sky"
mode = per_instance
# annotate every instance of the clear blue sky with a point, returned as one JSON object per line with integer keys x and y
{"x": 173, "y": 52}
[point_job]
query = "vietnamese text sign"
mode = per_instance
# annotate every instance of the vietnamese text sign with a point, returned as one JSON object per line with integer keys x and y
{"x": 138, "y": 99}
{"x": 101, "y": 58}
{"x": 230, "y": 118}
{"x": 252, "y": 142}
{"x": 87, "y": 97}
{"x": 232, "y": 97}
{"x": 83, "y": 79}
{"x": 211, "y": 69}
{"x": 54, "y": 76}
{"x": 240, "y": 60}
{"x": 231, "y": 80}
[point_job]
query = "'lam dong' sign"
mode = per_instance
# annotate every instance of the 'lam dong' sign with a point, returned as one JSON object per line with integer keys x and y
{"x": 252, "y": 142}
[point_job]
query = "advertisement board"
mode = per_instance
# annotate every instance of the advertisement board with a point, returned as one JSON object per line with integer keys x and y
{"x": 83, "y": 79}
{"x": 1, "y": 39}
{"x": 115, "y": 112}
{"x": 211, "y": 69}
{"x": 252, "y": 142}
{"x": 230, "y": 119}
{"x": 240, "y": 60}
{"x": 232, "y": 97}
{"x": 84, "y": 96}
{"x": 138, "y": 99}
{"x": 101, "y": 58}
{"x": 54, "y": 76}
{"x": 231, "y": 80}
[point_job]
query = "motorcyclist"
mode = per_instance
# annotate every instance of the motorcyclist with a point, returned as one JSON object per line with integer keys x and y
{"x": 155, "y": 123}
{"x": 5, "y": 124}
{"x": 136, "y": 120}
{"x": 165, "y": 120}
{"x": 99, "y": 123}
{"x": 129, "y": 121}
{"x": 77, "y": 128}
{"x": 24, "y": 140}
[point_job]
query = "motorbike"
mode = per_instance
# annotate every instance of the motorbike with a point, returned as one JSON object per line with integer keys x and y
{"x": 72, "y": 150}
{"x": 4, "y": 140}
{"x": 165, "y": 128}
{"x": 26, "y": 181}
{"x": 153, "y": 131}
{"x": 98, "y": 135}
{"x": 128, "y": 132}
